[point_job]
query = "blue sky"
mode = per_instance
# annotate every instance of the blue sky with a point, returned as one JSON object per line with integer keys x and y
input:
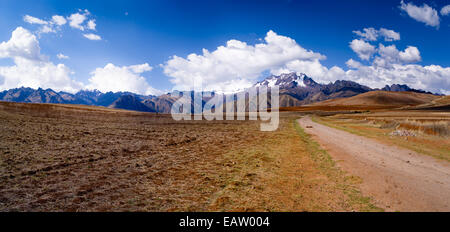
{"x": 152, "y": 32}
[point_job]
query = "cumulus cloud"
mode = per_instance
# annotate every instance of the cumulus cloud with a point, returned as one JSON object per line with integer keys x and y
{"x": 424, "y": 14}
{"x": 392, "y": 66}
{"x": 75, "y": 20}
{"x": 445, "y": 10}
{"x": 369, "y": 34}
{"x": 126, "y": 78}
{"x": 372, "y": 34}
{"x": 140, "y": 68}
{"x": 363, "y": 49}
{"x": 46, "y": 26}
{"x": 59, "y": 20}
{"x": 353, "y": 63}
{"x": 31, "y": 69}
{"x": 79, "y": 20}
{"x": 389, "y": 55}
{"x": 21, "y": 45}
{"x": 92, "y": 36}
{"x": 314, "y": 69}
{"x": 410, "y": 55}
{"x": 34, "y": 20}
{"x": 389, "y": 35}
{"x": 62, "y": 56}
{"x": 432, "y": 78}
{"x": 235, "y": 65}
{"x": 46, "y": 29}
{"x": 91, "y": 24}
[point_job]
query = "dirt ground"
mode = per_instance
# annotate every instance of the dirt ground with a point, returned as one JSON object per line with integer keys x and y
{"x": 76, "y": 158}
{"x": 398, "y": 179}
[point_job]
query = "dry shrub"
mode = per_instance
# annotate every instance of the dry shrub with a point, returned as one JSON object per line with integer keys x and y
{"x": 388, "y": 124}
{"x": 439, "y": 128}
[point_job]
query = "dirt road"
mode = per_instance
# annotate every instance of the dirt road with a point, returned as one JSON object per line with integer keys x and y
{"x": 397, "y": 179}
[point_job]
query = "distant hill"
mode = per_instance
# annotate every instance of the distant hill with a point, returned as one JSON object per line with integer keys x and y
{"x": 441, "y": 103}
{"x": 402, "y": 88}
{"x": 381, "y": 98}
{"x": 130, "y": 102}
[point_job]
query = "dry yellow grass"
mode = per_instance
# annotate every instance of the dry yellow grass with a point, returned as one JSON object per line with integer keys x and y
{"x": 288, "y": 171}
{"x": 95, "y": 159}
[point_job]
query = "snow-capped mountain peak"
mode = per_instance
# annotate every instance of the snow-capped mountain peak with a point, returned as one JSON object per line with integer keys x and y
{"x": 287, "y": 80}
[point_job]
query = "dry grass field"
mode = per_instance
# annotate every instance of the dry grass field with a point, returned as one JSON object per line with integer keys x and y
{"x": 77, "y": 158}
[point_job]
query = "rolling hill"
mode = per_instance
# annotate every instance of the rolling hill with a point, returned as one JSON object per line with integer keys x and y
{"x": 381, "y": 98}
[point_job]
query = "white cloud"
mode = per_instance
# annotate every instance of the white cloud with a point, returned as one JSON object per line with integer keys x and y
{"x": 46, "y": 26}
{"x": 22, "y": 44}
{"x": 91, "y": 24}
{"x": 46, "y": 29}
{"x": 31, "y": 69}
{"x": 389, "y": 35}
{"x": 314, "y": 69}
{"x": 410, "y": 55}
{"x": 445, "y": 10}
{"x": 235, "y": 65}
{"x": 140, "y": 68}
{"x": 371, "y": 34}
{"x": 59, "y": 20}
{"x": 34, "y": 20}
{"x": 62, "y": 56}
{"x": 363, "y": 49}
{"x": 424, "y": 14}
{"x": 353, "y": 63}
{"x": 391, "y": 55}
{"x": 432, "y": 78}
{"x": 126, "y": 78}
{"x": 75, "y": 20}
{"x": 92, "y": 36}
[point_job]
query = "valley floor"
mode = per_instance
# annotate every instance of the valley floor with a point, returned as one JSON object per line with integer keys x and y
{"x": 61, "y": 158}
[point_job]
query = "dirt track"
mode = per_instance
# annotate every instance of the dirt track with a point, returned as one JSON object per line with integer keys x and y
{"x": 397, "y": 179}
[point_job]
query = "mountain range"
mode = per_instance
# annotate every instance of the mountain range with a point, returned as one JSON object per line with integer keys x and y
{"x": 295, "y": 90}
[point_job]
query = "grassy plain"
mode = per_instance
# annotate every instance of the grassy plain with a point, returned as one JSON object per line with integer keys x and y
{"x": 77, "y": 158}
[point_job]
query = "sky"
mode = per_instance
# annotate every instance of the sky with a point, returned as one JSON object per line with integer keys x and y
{"x": 152, "y": 47}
